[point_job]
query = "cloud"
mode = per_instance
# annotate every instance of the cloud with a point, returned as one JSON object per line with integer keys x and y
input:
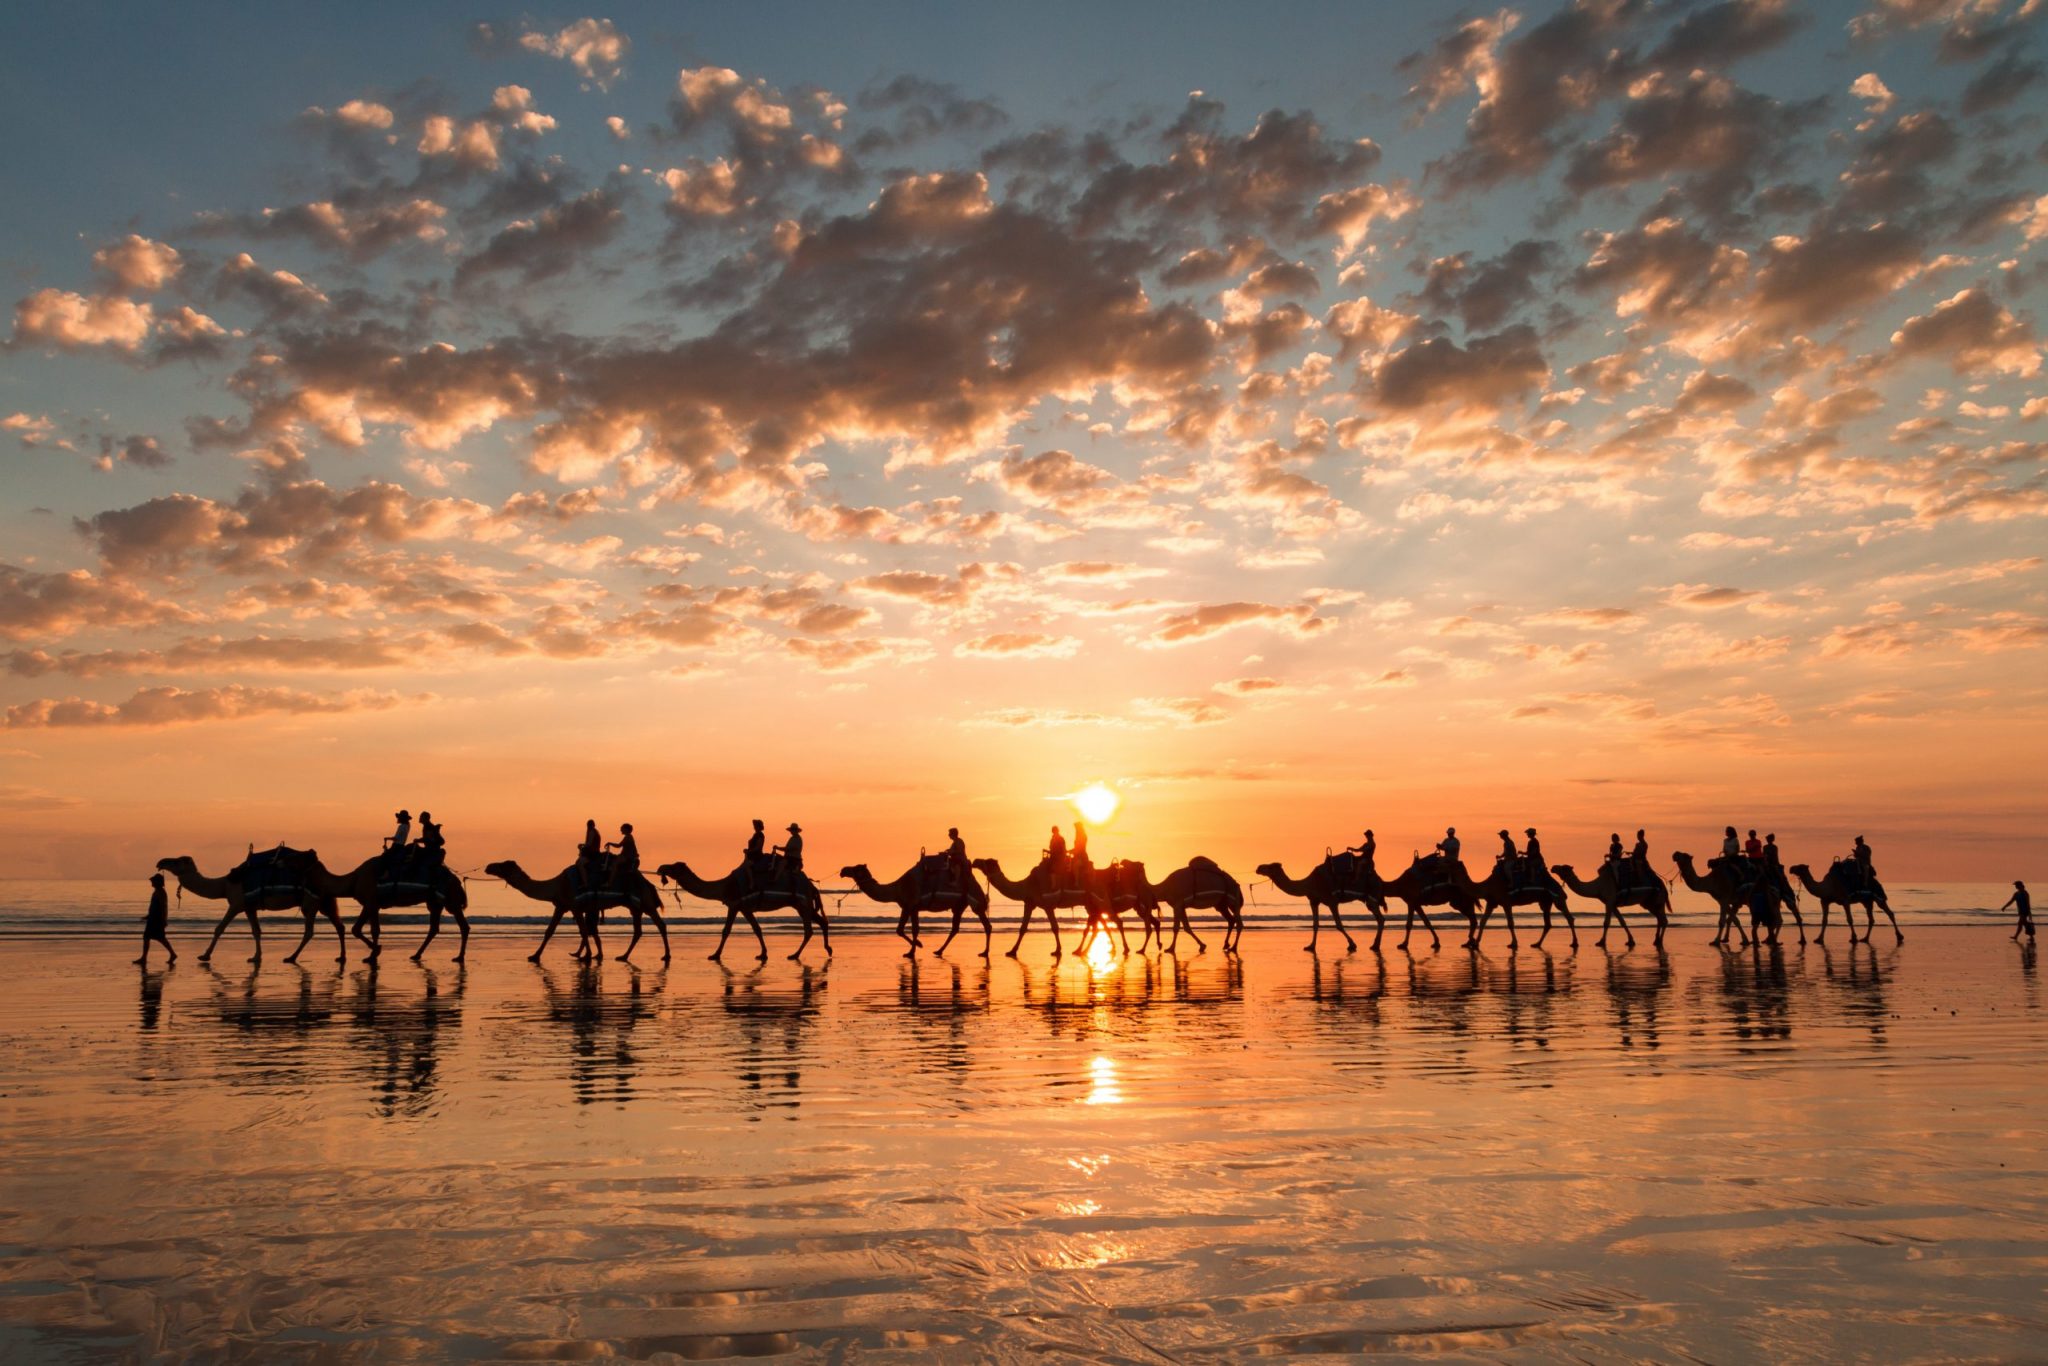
{"x": 136, "y": 263}
{"x": 59, "y": 318}
{"x": 547, "y": 246}
{"x": 1019, "y": 645}
{"x": 595, "y": 47}
{"x": 1973, "y": 334}
{"x": 178, "y": 706}
{"x": 1205, "y": 622}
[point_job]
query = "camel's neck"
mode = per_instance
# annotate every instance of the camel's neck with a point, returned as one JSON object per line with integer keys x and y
{"x": 876, "y": 891}
{"x": 1293, "y": 886}
{"x": 1693, "y": 879}
{"x": 1015, "y": 891}
{"x": 697, "y": 886}
{"x": 1805, "y": 876}
{"x": 519, "y": 880}
{"x": 1571, "y": 879}
{"x": 192, "y": 880}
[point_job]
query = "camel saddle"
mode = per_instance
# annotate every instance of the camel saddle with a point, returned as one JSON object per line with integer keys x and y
{"x": 410, "y": 866}
{"x": 1348, "y": 870}
{"x": 940, "y": 881}
{"x": 271, "y": 870}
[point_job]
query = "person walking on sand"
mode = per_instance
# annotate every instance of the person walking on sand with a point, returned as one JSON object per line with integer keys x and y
{"x": 2019, "y": 901}
{"x": 156, "y": 922}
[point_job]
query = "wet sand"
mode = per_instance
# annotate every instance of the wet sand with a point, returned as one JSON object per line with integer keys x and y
{"x": 1688, "y": 1155}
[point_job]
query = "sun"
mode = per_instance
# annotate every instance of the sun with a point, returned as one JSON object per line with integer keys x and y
{"x": 1096, "y": 802}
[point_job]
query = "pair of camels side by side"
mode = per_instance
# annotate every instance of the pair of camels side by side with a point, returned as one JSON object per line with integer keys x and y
{"x": 1433, "y": 880}
{"x": 744, "y": 892}
{"x": 1103, "y": 894}
{"x": 1840, "y": 887}
{"x": 304, "y": 884}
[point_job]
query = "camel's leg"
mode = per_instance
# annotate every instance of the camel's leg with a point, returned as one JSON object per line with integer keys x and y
{"x": 1315, "y": 924}
{"x": 1337, "y": 923}
{"x": 548, "y": 933}
{"x": 634, "y": 942}
{"x": 461, "y": 924}
{"x": 1125, "y": 939}
{"x": 988, "y": 930}
{"x": 1022, "y": 926}
{"x": 309, "y": 913}
{"x": 952, "y": 934}
{"x": 433, "y": 928}
{"x": 218, "y": 930}
{"x": 1570, "y": 921}
{"x": 1379, "y": 923}
{"x": 256, "y": 934}
{"x": 1622, "y": 921}
{"x": 1052, "y": 919}
{"x": 760, "y": 940}
{"x": 1797, "y": 919}
{"x": 1514, "y": 939}
{"x": 661, "y": 926}
{"x": 804, "y": 919}
{"x": 1233, "y": 927}
{"x": 1886, "y": 908}
{"x": 718, "y": 953}
{"x": 1181, "y": 921}
{"x": 824, "y": 925}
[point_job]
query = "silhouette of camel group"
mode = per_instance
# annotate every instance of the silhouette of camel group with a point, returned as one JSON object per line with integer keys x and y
{"x": 288, "y": 879}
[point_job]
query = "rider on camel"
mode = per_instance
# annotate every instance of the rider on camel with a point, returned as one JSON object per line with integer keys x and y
{"x": 628, "y": 861}
{"x": 432, "y": 841}
{"x": 1449, "y": 845}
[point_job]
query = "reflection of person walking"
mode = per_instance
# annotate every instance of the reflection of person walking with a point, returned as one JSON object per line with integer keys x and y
{"x": 156, "y": 922}
{"x": 2019, "y": 901}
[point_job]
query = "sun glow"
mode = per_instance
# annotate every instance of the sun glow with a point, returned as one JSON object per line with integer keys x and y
{"x": 1096, "y": 802}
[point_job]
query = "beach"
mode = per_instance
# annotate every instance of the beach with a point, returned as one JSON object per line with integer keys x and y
{"x": 1688, "y": 1154}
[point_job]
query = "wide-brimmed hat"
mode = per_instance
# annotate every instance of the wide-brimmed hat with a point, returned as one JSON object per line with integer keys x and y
{"x": 795, "y": 829}
{"x": 1530, "y": 831}
{"x": 403, "y": 815}
{"x": 157, "y": 880}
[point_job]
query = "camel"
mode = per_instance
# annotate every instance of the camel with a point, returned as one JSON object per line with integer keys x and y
{"x": 1836, "y": 889}
{"x": 1041, "y": 891}
{"x": 1426, "y": 882}
{"x": 1731, "y": 896}
{"x": 1202, "y": 883}
{"x": 369, "y": 887}
{"x": 1332, "y": 882}
{"x": 308, "y": 901}
{"x": 568, "y": 893}
{"x": 743, "y": 892}
{"x": 1653, "y": 896}
{"x": 1503, "y": 891}
{"x": 910, "y": 896}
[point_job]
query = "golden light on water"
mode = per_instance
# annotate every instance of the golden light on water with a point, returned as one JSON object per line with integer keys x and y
{"x": 1101, "y": 954}
{"x": 1096, "y": 803}
{"x": 1102, "y": 1087}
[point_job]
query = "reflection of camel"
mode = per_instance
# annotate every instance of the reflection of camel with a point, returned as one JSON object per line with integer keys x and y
{"x": 1201, "y": 884}
{"x": 1503, "y": 891}
{"x": 366, "y": 887}
{"x": 1328, "y": 884}
{"x": 308, "y": 901}
{"x": 1732, "y": 897}
{"x": 743, "y": 892}
{"x": 1650, "y": 893}
{"x": 912, "y": 894}
{"x": 1837, "y": 889}
{"x": 1042, "y": 890}
{"x": 569, "y": 895}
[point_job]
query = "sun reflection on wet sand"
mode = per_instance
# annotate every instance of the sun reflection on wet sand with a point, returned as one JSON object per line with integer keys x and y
{"x": 1608, "y": 1155}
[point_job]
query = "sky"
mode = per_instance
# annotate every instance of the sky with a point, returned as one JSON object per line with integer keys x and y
{"x": 1301, "y": 418}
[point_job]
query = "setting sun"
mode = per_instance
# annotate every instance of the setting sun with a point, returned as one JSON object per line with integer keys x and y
{"x": 1096, "y": 802}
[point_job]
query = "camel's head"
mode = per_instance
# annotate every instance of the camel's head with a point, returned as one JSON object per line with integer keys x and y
{"x": 854, "y": 870}
{"x": 1801, "y": 870}
{"x": 1563, "y": 870}
{"x": 504, "y": 867}
{"x": 983, "y": 865}
{"x": 1681, "y": 858}
{"x": 669, "y": 872}
{"x": 1269, "y": 871}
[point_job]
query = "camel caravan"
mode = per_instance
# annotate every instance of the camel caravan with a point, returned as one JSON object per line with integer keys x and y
{"x": 1751, "y": 888}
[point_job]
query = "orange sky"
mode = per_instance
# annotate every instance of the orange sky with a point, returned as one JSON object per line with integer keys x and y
{"x": 1596, "y": 418}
